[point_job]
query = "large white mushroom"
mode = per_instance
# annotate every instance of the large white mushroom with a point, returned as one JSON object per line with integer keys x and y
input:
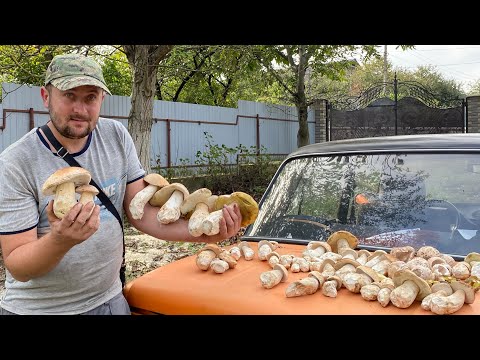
{"x": 137, "y": 205}
{"x": 169, "y": 198}
{"x": 87, "y": 194}
{"x": 62, "y": 183}
{"x": 195, "y": 207}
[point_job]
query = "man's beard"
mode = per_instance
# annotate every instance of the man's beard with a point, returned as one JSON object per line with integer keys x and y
{"x": 66, "y": 131}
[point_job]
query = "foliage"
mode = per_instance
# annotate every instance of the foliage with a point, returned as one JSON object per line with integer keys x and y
{"x": 211, "y": 75}
{"x": 251, "y": 173}
{"x": 117, "y": 74}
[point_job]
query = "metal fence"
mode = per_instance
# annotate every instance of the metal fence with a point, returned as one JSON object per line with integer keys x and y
{"x": 179, "y": 130}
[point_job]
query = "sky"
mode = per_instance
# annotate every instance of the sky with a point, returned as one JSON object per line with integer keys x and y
{"x": 458, "y": 62}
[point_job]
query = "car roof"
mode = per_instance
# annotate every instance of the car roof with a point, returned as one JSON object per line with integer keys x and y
{"x": 421, "y": 142}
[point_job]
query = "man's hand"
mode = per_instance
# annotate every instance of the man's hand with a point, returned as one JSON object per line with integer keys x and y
{"x": 229, "y": 224}
{"x": 76, "y": 226}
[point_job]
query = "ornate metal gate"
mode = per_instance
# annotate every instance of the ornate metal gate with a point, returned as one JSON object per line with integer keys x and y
{"x": 410, "y": 109}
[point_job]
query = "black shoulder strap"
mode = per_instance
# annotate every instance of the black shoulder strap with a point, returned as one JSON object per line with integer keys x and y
{"x": 65, "y": 155}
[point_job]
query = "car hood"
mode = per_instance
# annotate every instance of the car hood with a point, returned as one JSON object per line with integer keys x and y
{"x": 181, "y": 288}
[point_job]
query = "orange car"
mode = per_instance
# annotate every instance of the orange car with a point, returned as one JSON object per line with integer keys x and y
{"x": 406, "y": 207}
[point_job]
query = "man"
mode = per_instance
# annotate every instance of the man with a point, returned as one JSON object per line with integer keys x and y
{"x": 71, "y": 265}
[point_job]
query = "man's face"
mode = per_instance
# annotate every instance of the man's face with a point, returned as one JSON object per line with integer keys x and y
{"x": 74, "y": 112}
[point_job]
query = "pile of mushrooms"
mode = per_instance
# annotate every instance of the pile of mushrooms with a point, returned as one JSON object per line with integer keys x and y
{"x": 401, "y": 277}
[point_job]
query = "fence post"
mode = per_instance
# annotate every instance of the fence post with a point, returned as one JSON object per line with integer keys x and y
{"x": 320, "y": 112}
{"x": 473, "y": 114}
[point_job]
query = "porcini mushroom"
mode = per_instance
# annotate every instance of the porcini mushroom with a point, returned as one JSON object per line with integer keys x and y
{"x": 408, "y": 288}
{"x": 271, "y": 278}
{"x": 247, "y": 205}
{"x": 87, "y": 193}
{"x": 463, "y": 294}
{"x": 62, "y": 183}
{"x": 195, "y": 207}
{"x": 340, "y": 240}
{"x": 305, "y": 286}
{"x": 137, "y": 205}
{"x": 206, "y": 255}
{"x": 169, "y": 198}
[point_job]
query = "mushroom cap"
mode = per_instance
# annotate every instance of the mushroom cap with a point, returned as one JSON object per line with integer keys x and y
{"x": 442, "y": 285}
{"x": 327, "y": 262}
{"x": 190, "y": 201}
{"x": 162, "y": 195}
{"x": 469, "y": 292}
{"x": 375, "y": 254}
{"x": 156, "y": 179}
{"x": 473, "y": 256}
{"x": 283, "y": 270}
{"x": 273, "y": 253}
{"x": 314, "y": 244}
{"x": 248, "y": 206}
{"x": 342, "y": 262}
{"x": 375, "y": 276}
{"x": 317, "y": 275}
{"x": 86, "y": 188}
{"x": 427, "y": 252}
{"x": 342, "y": 234}
{"x": 77, "y": 175}
{"x": 337, "y": 279}
{"x": 214, "y": 247}
{"x": 404, "y": 274}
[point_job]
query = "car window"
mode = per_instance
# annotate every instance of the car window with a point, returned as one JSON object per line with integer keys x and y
{"x": 374, "y": 194}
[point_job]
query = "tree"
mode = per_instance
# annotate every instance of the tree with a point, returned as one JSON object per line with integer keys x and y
{"x": 288, "y": 65}
{"x": 144, "y": 61}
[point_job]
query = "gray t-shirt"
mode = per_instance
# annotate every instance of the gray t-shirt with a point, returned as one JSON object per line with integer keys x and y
{"x": 88, "y": 274}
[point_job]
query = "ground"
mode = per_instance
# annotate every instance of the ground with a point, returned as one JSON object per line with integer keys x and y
{"x": 143, "y": 253}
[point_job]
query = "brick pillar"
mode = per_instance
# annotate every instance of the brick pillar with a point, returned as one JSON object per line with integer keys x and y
{"x": 473, "y": 114}
{"x": 320, "y": 111}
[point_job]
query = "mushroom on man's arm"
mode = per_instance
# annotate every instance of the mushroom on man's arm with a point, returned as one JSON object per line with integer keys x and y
{"x": 137, "y": 205}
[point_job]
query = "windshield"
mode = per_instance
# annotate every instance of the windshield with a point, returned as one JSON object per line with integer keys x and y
{"x": 386, "y": 200}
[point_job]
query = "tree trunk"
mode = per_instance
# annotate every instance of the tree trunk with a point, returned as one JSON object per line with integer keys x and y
{"x": 144, "y": 61}
{"x": 303, "y": 136}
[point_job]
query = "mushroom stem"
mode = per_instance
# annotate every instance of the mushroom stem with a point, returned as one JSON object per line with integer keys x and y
{"x": 441, "y": 304}
{"x": 211, "y": 223}
{"x": 195, "y": 222}
{"x": 271, "y": 278}
{"x": 170, "y": 211}
{"x": 404, "y": 295}
{"x": 140, "y": 199}
{"x": 305, "y": 286}
{"x": 64, "y": 199}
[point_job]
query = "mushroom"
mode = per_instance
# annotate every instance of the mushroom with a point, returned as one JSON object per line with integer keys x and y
{"x": 206, "y": 255}
{"x": 273, "y": 258}
{"x": 408, "y": 288}
{"x": 235, "y": 252}
{"x": 438, "y": 288}
{"x": 62, "y": 183}
{"x": 340, "y": 240}
{"x": 219, "y": 266}
{"x": 331, "y": 286}
{"x": 248, "y": 208}
{"x": 195, "y": 207}
{"x": 383, "y": 295}
{"x": 246, "y": 250}
{"x": 427, "y": 252}
{"x": 137, "y": 205}
{"x": 403, "y": 253}
{"x": 305, "y": 286}
{"x": 265, "y": 247}
{"x": 87, "y": 194}
{"x": 225, "y": 256}
{"x": 169, "y": 198}
{"x": 271, "y": 278}
{"x": 316, "y": 249}
{"x": 463, "y": 294}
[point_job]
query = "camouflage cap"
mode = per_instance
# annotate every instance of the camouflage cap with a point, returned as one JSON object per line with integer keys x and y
{"x": 68, "y": 71}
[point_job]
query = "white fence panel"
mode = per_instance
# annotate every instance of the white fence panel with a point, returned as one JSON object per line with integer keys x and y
{"x": 179, "y": 130}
